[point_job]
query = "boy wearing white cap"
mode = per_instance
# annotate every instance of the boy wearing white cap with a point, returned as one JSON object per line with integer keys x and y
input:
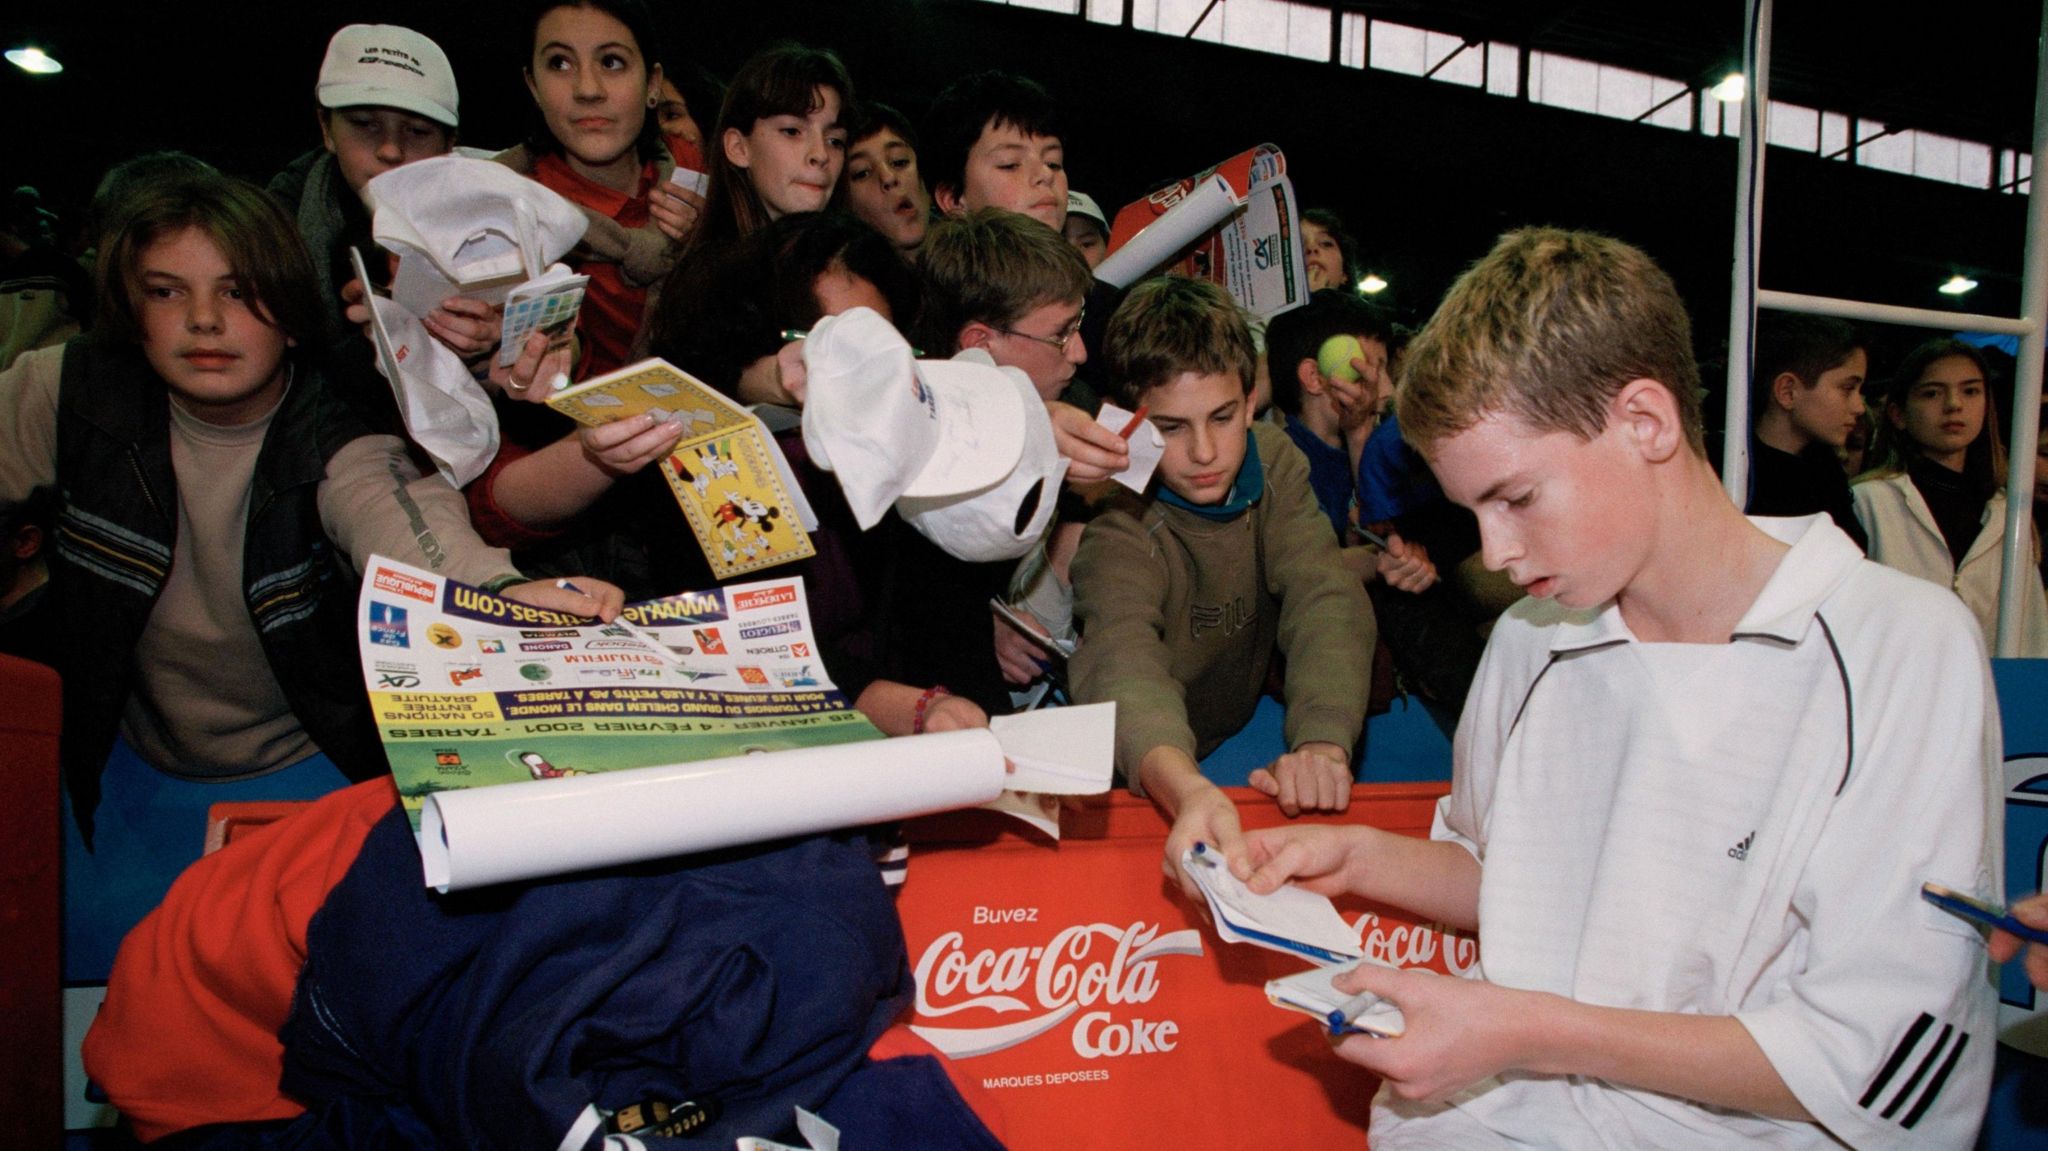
{"x": 1183, "y": 596}
{"x": 386, "y": 97}
{"x": 1087, "y": 228}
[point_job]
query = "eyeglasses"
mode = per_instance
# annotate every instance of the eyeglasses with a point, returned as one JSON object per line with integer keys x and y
{"x": 1056, "y": 343}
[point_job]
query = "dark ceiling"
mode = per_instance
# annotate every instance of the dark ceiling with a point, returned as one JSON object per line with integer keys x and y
{"x": 1427, "y": 174}
{"x": 1964, "y": 68}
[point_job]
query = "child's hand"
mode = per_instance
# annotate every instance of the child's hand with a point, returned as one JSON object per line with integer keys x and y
{"x": 791, "y": 372}
{"x": 592, "y": 597}
{"x": 675, "y": 210}
{"x": 1459, "y": 1031}
{"x": 1208, "y": 816}
{"x": 623, "y": 447}
{"x": 1374, "y": 387}
{"x": 1312, "y": 777}
{"x": 2032, "y": 911}
{"x": 953, "y": 713}
{"x": 468, "y": 327}
{"x": 1021, "y": 660}
{"x": 536, "y": 374}
{"x": 1405, "y": 566}
{"x": 1096, "y": 452}
{"x": 355, "y": 306}
{"x": 1353, "y": 398}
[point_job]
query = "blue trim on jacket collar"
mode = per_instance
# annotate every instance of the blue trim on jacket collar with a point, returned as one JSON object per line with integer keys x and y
{"x": 1245, "y": 490}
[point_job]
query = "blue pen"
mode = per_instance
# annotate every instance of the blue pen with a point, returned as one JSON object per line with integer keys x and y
{"x": 1981, "y": 911}
{"x": 1344, "y": 1020}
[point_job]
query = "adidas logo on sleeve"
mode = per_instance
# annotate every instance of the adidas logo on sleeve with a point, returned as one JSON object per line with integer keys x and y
{"x": 1741, "y": 850}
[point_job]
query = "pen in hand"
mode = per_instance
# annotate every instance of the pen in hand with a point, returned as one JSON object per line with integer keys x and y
{"x": 1980, "y": 911}
{"x": 635, "y": 630}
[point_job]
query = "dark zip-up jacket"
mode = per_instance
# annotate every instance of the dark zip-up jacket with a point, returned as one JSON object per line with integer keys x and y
{"x": 117, "y": 533}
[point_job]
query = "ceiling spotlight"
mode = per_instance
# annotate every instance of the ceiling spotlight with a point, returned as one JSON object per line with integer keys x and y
{"x": 1729, "y": 90}
{"x": 1372, "y": 285}
{"x": 34, "y": 60}
{"x": 1956, "y": 286}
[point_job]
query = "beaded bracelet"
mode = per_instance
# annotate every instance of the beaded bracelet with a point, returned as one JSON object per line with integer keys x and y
{"x": 924, "y": 704}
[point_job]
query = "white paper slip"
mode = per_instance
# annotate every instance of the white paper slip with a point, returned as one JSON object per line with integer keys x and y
{"x": 1290, "y": 919}
{"x": 1059, "y": 750}
{"x": 1036, "y": 809}
{"x": 1313, "y": 992}
{"x": 690, "y": 178}
{"x": 1146, "y": 444}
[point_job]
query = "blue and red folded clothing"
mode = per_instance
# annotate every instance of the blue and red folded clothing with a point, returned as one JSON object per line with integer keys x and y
{"x": 303, "y": 988}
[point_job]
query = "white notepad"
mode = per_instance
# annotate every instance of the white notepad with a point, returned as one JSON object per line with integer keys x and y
{"x": 1290, "y": 919}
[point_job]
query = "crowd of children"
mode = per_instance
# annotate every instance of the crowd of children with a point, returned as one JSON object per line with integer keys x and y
{"x": 1927, "y": 496}
{"x": 1702, "y": 768}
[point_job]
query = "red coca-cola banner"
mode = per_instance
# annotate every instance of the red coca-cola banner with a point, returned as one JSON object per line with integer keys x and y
{"x": 1091, "y": 1000}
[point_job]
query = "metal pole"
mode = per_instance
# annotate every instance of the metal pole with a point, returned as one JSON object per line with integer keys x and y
{"x": 1892, "y": 313}
{"x": 1749, "y": 214}
{"x": 2026, "y": 403}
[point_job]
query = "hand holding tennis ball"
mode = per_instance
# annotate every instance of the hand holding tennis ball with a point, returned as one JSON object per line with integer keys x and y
{"x": 1334, "y": 358}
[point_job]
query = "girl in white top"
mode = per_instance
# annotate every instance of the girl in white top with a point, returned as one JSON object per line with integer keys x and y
{"x": 1934, "y": 505}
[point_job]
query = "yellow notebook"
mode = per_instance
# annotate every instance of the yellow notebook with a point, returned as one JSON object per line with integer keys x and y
{"x": 734, "y": 485}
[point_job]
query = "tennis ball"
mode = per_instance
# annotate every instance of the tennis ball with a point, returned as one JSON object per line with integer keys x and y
{"x": 1335, "y": 356}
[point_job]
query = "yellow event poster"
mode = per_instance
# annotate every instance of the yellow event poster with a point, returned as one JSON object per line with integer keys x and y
{"x": 470, "y": 689}
{"x": 724, "y": 472}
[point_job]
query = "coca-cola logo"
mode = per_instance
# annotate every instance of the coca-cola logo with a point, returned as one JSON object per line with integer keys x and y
{"x": 1083, "y": 966}
{"x": 1416, "y": 944}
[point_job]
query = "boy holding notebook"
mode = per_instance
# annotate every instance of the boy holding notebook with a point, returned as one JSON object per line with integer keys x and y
{"x": 1702, "y": 774}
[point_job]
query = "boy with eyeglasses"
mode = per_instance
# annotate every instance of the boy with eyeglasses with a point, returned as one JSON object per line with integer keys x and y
{"x": 1003, "y": 284}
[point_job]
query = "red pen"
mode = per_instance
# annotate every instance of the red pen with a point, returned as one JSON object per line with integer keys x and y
{"x": 1137, "y": 417}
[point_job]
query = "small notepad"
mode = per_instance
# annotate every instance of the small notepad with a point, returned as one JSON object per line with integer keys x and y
{"x": 1292, "y": 920}
{"x": 1314, "y": 993}
{"x": 548, "y": 303}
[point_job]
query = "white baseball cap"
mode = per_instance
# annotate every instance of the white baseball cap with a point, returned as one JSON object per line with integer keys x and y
{"x": 476, "y": 221}
{"x": 888, "y": 425}
{"x": 1082, "y": 204}
{"x": 1003, "y": 521}
{"x": 385, "y": 66}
